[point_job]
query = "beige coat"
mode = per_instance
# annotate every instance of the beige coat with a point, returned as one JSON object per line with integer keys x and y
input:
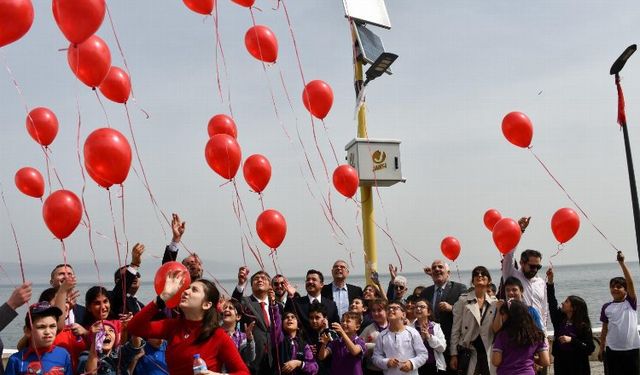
{"x": 467, "y": 326}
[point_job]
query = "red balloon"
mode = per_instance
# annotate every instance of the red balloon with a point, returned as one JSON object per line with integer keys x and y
{"x": 491, "y": 217}
{"x": 317, "y": 97}
{"x": 97, "y": 178}
{"x": 565, "y": 224}
{"x": 62, "y": 212}
{"x": 116, "y": 86}
{"x": 107, "y": 155}
{"x": 30, "y": 182}
{"x": 90, "y": 60}
{"x": 257, "y": 172}
{"x": 345, "y": 180}
{"x": 450, "y": 247}
{"x": 245, "y": 3}
{"x": 16, "y": 18}
{"x": 222, "y": 124}
{"x": 506, "y": 234}
{"x": 271, "y": 228}
{"x": 200, "y": 6}
{"x": 223, "y": 155}
{"x": 78, "y": 20}
{"x": 42, "y": 125}
{"x": 261, "y": 43}
{"x": 517, "y": 128}
{"x": 161, "y": 277}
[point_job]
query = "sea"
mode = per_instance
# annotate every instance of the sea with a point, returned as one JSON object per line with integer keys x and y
{"x": 589, "y": 281}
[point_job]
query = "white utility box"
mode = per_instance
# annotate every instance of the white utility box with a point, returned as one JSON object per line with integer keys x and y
{"x": 376, "y": 160}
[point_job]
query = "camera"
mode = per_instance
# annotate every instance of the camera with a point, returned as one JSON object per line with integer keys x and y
{"x": 333, "y": 335}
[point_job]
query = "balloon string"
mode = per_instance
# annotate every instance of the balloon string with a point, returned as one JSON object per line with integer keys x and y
{"x": 124, "y": 225}
{"x": 13, "y": 232}
{"x": 457, "y": 270}
{"x": 145, "y": 182}
{"x": 236, "y": 212}
{"x": 6, "y": 274}
{"x": 224, "y": 64}
{"x": 64, "y": 253}
{"x": 84, "y": 186}
{"x": 572, "y": 200}
{"x": 333, "y": 149}
{"x": 273, "y": 259}
{"x": 115, "y": 232}
{"x": 124, "y": 60}
{"x": 244, "y": 213}
{"x": 235, "y": 201}
{"x": 104, "y": 110}
{"x": 261, "y": 199}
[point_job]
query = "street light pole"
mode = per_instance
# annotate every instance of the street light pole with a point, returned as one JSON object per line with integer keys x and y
{"x": 368, "y": 217}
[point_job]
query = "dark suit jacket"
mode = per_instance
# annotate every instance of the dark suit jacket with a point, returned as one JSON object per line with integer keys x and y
{"x": 169, "y": 256}
{"x": 353, "y": 291}
{"x": 301, "y": 306}
{"x": 253, "y": 312}
{"x": 450, "y": 295}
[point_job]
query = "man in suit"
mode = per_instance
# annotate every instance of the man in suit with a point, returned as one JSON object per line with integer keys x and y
{"x": 256, "y": 309}
{"x": 192, "y": 261}
{"x": 339, "y": 291}
{"x": 443, "y": 294}
{"x": 313, "y": 284}
{"x": 58, "y": 275}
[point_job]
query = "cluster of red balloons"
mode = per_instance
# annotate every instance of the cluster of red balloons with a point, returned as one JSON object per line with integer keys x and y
{"x": 346, "y": 180}
{"x": 16, "y": 18}
{"x": 565, "y": 224}
{"x": 107, "y": 157}
{"x": 450, "y": 247}
{"x": 517, "y": 129}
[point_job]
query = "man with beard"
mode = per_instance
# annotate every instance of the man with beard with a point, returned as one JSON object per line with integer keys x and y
{"x": 192, "y": 262}
{"x": 313, "y": 284}
{"x": 339, "y": 291}
{"x": 256, "y": 309}
{"x": 534, "y": 287}
{"x": 443, "y": 294}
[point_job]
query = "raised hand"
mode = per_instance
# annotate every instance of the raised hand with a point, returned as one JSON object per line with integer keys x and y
{"x": 248, "y": 330}
{"x": 243, "y": 275}
{"x": 550, "y": 275}
{"x": 393, "y": 271}
{"x": 172, "y": 284}
{"x": 177, "y": 227}
{"x": 136, "y": 254}
{"x": 524, "y": 223}
{"x": 20, "y": 295}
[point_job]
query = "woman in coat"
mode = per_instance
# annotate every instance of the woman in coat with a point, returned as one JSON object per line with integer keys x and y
{"x": 471, "y": 335}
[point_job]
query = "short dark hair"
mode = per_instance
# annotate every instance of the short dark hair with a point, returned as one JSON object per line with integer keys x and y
{"x": 618, "y": 281}
{"x": 412, "y": 298}
{"x": 261, "y": 272}
{"x": 353, "y": 315}
{"x": 47, "y": 295}
{"x": 513, "y": 281}
{"x": 317, "y": 308}
{"x": 480, "y": 269}
{"x": 524, "y": 257}
{"x": 312, "y": 271}
{"x": 53, "y": 271}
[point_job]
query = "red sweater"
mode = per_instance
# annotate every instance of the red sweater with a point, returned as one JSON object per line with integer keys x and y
{"x": 180, "y": 334}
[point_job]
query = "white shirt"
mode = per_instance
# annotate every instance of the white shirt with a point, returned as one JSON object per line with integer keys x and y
{"x": 341, "y": 298}
{"x": 311, "y": 299}
{"x": 535, "y": 289}
{"x": 622, "y": 323}
{"x": 405, "y": 345}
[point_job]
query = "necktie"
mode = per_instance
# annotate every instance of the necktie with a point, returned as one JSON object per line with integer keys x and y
{"x": 436, "y": 301}
{"x": 265, "y": 314}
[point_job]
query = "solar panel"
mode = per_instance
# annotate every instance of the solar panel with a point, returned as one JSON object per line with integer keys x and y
{"x": 369, "y": 45}
{"x": 368, "y": 11}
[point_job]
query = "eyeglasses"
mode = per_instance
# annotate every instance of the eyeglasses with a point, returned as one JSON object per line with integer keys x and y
{"x": 480, "y": 274}
{"x": 394, "y": 308}
{"x": 536, "y": 267}
{"x": 399, "y": 287}
{"x": 275, "y": 283}
{"x": 420, "y": 307}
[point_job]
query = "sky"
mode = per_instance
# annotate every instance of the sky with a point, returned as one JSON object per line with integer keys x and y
{"x": 462, "y": 66}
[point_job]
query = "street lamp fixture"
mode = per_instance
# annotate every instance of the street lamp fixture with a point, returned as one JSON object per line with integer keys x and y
{"x": 382, "y": 63}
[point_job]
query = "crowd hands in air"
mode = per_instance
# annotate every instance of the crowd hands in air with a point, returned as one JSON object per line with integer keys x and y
{"x": 268, "y": 326}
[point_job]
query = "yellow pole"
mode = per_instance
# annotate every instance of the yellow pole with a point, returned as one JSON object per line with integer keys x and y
{"x": 368, "y": 217}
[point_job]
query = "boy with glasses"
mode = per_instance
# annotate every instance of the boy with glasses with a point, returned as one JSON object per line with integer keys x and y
{"x": 399, "y": 349}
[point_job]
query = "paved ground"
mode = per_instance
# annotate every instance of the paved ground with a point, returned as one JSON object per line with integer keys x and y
{"x": 596, "y": 369}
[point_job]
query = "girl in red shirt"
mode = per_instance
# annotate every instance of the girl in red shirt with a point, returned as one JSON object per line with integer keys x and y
{"x": 196, "y": 331}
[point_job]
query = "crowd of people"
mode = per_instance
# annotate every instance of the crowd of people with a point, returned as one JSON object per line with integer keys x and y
{"x": 332, "y": 327}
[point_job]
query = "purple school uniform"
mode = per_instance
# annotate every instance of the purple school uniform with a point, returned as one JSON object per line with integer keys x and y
{"x": 342, "y": 362}
{"x": 516, "y": 360}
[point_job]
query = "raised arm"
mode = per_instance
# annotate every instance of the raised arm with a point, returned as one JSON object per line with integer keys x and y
{"x": 631, "y": 290}
{"x": 177, "y": 229}
{"x": 19, "y": 297}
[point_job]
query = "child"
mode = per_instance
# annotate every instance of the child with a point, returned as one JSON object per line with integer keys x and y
{"x": 399, "y": 349}
{"x": 358, "y": 305}
{"x": 433, "y": 338}
{"x": 318, "y": 323}
{"x": 348, "y": 350}
{"x": 151, "y": 360}
{"x": 378, "y": 309}
{"x": 104, "y": 352}
{"x": 518, "y": 340}
{"x": 573, "y": 339}
{"x": 231, "y": 316}
{"x": 620, "y": 325}
{"x": 41, "y": 356}
{"x": 293, "y": 353}
{"x": 513, "y": 290}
